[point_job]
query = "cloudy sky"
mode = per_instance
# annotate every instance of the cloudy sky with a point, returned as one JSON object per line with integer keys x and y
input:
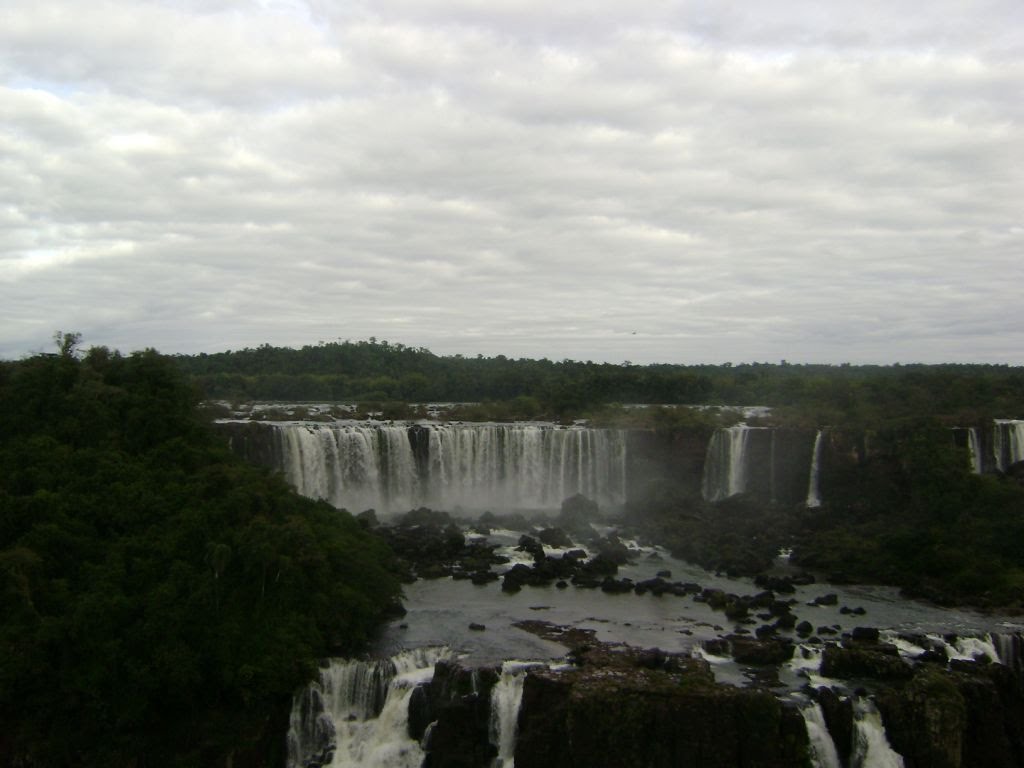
{"x": 654, "y": 181}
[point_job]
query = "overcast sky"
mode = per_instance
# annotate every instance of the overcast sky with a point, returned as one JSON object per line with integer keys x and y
{"x": 654, "y": 181}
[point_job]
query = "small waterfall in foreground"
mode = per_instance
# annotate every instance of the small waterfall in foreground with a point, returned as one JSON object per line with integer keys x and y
{"x": 394, "y": 468}
{"x": 725, "y": 465}
{"x": 813, "y": 491}
{"x": 871, "y": 748}
{"x": 506, "y": 696}
{"x": 357, "y": 713}
{"x": 823, "y": 749}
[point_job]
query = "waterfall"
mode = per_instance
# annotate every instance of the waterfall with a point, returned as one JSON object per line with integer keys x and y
{"x": 823, "y": 749}
{"x": 506, "y": 697}
{"x": 806, "y": 662}
{"x": 357, "y": 713}
{"x": 470, "y": 466}
{"x": 871, "y": 748}
{"x": 813, "y": 492}
{"x": 1008, "y": 443}
{"x": 1009, "y": 647}
{"x": 725, "y": 465}
{"x": 967, "y": 648}
{"x": 974, "y": 447}
{"x": 352, "y": 466}
{"x": 524, "y": 465}
{"x": 998, "y": 456}
{"x": 310, "y": 730}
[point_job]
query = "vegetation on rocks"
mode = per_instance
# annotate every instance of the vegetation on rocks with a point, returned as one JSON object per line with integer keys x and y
{"x": 900, "y": 506}
{"x": 909, "y": 512}
{"x": 736, "y": 536}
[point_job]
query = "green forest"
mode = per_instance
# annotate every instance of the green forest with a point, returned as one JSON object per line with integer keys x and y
{"x": 161, "y": 600}
{"x": 381, "y": 372}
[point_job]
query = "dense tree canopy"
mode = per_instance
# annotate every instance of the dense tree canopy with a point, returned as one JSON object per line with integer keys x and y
{"x": 159, "y": 598}
{"x": 379, "y": 371}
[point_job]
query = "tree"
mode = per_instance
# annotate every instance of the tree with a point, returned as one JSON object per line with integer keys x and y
{"x": 159, "y": 598}
{"x": 67, "y": 343}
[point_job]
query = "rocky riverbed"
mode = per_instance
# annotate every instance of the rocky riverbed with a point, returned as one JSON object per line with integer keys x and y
{"x": 623, "y": 655}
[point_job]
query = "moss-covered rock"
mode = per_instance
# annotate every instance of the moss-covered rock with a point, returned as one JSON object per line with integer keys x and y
{"x": 994, "y": 704}
{"x": 623, "y": 710}
{"x": 925, "y": 720}
{"x": 457, "y": 702}
{"x": 876, "y": 663}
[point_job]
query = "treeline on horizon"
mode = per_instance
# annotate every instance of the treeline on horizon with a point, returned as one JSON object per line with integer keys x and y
{"x": 379, "y": 371}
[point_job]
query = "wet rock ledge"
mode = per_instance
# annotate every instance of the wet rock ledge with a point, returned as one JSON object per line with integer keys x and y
{"x": 623, "y": 707}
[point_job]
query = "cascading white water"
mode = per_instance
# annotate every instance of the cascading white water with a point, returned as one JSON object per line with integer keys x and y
{"x": 725, "y": 464}
{"x": 357, "y": 713}
{"x": 352, "y": 466}
{"x": 871, "y": 748}
{"x": 1009, "y": 647}
{"x": 813, "y": 491}
{"x": 974, "y": 447}
{"x": 1008, "y": 443}
{"x": 806, "y": 664}
{"x": 823, "y": 749}
{"x": 311, "y": 735}
{"x": 523, "y": 465}
{"x": 469, "y": 466}
{"x": 506, "y": 696}
{"x": 967, "y": 648}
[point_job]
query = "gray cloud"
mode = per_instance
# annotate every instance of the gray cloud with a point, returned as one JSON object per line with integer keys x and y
{"x": 680, "y": 182}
